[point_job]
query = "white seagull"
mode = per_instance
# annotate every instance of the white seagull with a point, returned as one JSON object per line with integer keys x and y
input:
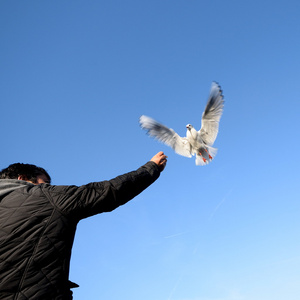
{"x": 197, "y": 143}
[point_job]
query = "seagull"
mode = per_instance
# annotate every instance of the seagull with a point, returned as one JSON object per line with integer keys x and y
{"x": 198, "y": 143}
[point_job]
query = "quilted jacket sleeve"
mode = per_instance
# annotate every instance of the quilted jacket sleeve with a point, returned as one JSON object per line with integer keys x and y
{"x": 93, "y": 198}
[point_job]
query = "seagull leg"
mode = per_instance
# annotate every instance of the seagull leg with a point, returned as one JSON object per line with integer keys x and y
{"x": 202, "y": 157}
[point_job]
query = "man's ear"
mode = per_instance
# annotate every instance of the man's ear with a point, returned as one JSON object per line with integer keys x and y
{"x": 22, "y": 177}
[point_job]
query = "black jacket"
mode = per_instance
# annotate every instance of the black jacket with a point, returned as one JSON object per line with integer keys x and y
{"x": 37, "y": 228}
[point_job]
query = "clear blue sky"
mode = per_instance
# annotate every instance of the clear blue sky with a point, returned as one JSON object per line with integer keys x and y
{"x": 74, "y": 78}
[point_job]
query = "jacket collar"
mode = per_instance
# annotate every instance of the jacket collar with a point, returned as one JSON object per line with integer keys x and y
{"x": 9, "y": 185}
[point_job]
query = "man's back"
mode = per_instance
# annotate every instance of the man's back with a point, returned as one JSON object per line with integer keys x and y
{"x": 35, "y": 245}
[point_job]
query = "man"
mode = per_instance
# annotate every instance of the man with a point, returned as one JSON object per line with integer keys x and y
{"x": 38, "y": 223}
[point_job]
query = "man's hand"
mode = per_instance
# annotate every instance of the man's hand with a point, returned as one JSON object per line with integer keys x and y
{"x": 160, "y": 159}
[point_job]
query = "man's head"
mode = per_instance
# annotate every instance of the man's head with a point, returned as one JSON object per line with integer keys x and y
{"x": 27, "y": 172}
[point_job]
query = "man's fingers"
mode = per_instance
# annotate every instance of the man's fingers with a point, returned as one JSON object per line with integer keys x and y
{"x": 160, "y": 159}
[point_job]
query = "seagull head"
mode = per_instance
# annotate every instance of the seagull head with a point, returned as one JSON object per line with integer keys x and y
{"x": 191, "y": 132}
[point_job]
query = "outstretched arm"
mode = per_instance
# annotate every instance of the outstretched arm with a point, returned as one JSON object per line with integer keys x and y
{"x": 104, "y": 196}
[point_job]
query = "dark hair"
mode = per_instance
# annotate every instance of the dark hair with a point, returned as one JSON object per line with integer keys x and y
{"x": 31, "y": 172}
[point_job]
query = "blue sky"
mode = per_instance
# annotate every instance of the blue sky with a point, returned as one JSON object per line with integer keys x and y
{"x": 75, "y": 77}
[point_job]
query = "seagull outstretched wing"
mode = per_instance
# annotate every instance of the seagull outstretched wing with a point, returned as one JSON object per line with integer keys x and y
{"x": 166, "y": 135}
{"x": 211, "y": 115}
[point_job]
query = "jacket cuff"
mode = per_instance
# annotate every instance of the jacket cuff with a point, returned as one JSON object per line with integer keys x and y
{"x": 152, "y": 168}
